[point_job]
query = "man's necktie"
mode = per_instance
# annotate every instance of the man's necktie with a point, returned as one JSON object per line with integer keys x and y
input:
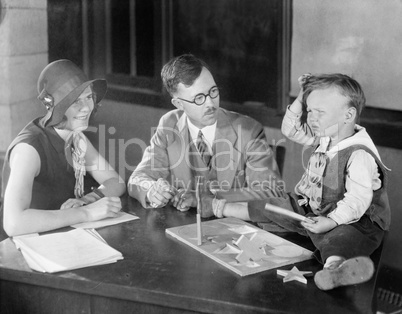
{"x": 78, "y": 150}
{"x": 203, "y": 149}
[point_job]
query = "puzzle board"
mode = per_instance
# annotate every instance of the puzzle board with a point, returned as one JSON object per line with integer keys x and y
{"x": 220, "y": 236}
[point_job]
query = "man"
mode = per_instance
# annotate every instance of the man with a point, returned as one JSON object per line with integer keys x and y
{"x": 227, "y": 150}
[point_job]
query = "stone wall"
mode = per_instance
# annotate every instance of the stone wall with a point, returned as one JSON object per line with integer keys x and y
{"x": 23, "y": 54}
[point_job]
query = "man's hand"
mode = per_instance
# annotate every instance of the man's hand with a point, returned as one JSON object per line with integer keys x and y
{"x": 160, "y": 193}
{"x": 183, "y": 200}
{"x": 321, "y": 225}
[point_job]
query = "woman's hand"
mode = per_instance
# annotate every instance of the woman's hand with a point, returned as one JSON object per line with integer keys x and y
{"x": 73, "y": 202}
{"x": 77, "y": 202}
{"x": 104, "y": 208}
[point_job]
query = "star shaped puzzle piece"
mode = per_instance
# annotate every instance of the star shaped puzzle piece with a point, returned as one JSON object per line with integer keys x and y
{"x": 249, "y": 250}
{"x": 294, "y": 274}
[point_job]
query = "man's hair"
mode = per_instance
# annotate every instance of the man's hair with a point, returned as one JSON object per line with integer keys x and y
{"x": 345, "y": 85}
{"x": 183, "y": 69}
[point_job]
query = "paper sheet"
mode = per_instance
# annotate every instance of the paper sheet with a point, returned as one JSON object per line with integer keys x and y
{"x": 66, "y": 250}
{"x": 121, "y": 217}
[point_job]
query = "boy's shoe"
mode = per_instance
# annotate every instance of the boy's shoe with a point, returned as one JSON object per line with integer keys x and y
{"x": 351, "y": 272}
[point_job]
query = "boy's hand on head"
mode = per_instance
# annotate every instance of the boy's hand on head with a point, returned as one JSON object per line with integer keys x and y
{"x": 321, "y": 225}
{"x": 297, "y": 107}
{"x": 302, "y": 80}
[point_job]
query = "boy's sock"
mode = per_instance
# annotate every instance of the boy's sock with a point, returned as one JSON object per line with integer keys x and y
{"x": 350, "y": 272}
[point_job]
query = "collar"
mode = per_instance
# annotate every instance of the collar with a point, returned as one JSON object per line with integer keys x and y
{"x": 324, "y": 144}
{"x": 361, "y": 137}
{"x": 208, "y": 132}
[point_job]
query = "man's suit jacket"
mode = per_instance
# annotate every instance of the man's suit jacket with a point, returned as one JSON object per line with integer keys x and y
{"x": 246, "y": 167}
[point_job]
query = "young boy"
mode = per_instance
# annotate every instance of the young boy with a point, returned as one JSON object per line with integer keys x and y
{"x": 343, "y": 189}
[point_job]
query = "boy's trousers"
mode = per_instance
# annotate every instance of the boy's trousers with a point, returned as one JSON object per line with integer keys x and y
{"x": 357, "y": 239}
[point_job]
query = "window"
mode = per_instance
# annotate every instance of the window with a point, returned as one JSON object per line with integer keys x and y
{"x": 246, "y": 44}
{"x": 128, "y": 41}
{"x": 62, "y": 46}
{"x": 242, "y": 41}
{"x": 239, "y": 40}
{"x": 132, "y": 44}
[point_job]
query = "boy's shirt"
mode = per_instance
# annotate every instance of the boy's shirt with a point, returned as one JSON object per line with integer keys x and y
{"x": 362, "y": 176}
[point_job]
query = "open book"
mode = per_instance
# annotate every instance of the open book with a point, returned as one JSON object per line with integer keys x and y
{"x": 64, "y": 251}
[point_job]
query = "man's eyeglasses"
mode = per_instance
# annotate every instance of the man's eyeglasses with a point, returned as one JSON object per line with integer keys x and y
{"x": 201, "y": 98}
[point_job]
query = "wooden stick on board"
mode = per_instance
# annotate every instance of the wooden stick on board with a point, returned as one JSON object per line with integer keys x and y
{"x": 199, "y": 210}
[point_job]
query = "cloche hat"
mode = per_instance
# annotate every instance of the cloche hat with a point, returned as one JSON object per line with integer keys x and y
{"x": 60, "y": 84}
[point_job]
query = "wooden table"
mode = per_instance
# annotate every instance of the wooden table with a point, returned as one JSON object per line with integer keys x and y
{"x": 161, "y": 274}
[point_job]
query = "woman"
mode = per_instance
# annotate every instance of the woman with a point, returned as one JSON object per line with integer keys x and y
{"x": 45, "y": 165}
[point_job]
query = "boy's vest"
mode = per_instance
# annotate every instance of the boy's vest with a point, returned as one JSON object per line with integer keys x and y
{"x": 334, "y": 187}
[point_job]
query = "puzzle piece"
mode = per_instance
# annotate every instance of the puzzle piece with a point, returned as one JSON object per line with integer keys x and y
{"x": 243, "y": 229}
{"x": 227, "y": 249}
{"x": 222, "y": 238}
{"x": 266, "y": 248}
{"x": 250, "y": 250}
{"x": 294, "y": 274}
